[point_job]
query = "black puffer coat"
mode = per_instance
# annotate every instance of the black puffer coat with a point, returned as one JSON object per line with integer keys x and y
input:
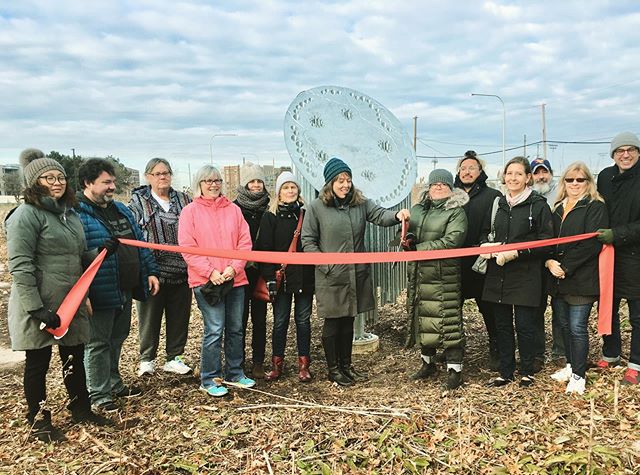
{"x": 519, "y": 282}
{"x": 478, "y": 211}
{"x": 579, "y": 260}
{"x": 276, "y": 233}
{"x": 621, "y": 192}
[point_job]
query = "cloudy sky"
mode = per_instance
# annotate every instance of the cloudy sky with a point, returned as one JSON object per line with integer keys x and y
{"x": 138, "y": 79}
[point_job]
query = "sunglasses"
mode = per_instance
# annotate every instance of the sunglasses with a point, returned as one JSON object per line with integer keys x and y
{"x": 571, "y": 180}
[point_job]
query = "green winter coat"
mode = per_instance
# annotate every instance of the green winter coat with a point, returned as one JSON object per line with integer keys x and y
{"x": 342, "y": 290}
{"x": 434, "y": 294}
{"x": 45, "y": 247}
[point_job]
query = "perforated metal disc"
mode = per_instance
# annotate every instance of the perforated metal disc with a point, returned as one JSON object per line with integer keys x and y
{"x": 332, "y": 121}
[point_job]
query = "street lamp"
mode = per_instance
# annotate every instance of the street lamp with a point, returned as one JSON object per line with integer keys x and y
{"x": 211, "y": 143}
{"x": 504, "y": 120}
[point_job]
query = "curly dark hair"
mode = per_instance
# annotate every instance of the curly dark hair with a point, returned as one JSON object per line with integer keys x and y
{"x": 90, "y": 170}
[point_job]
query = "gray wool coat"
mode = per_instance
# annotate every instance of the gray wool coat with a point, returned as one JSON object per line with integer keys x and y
{"x": 45, "y": 248}
{"x": 342, "y": 290}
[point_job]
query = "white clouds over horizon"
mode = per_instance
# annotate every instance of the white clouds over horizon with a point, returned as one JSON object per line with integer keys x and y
{"x": 142, "y": 79}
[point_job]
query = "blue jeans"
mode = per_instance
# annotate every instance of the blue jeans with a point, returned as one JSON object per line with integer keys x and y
{"x": 223, "y": 320}
{"x": 612, "y": 344}
{"x": 302, "y": 317}
{"x": 574, "y": 323}
{"x": 525, "y": 319}
{"x": 109, "y": 330}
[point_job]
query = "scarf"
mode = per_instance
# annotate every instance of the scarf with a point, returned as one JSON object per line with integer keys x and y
{"x": 516, "y": 200}
{"x": 342, "y": 202}
{"x": 253, "y": 201}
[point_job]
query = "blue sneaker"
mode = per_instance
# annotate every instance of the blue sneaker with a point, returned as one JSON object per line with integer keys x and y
{"x": 215, "y": 391}
{"x": 243, "y": 382}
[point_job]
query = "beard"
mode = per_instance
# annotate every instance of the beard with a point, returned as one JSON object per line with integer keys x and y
{"x": 542, "y": 187}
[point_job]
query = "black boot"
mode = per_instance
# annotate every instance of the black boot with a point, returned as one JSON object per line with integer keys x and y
{"x": 331, "y": 353}
{"x": 43, "y": 430}
{"x": 454, "y": 379}
{"x": 426, "y": 371}
{"x": 81, "y": 412}
{"x": 494, "y": 357}
{"x": 346, "y": 348}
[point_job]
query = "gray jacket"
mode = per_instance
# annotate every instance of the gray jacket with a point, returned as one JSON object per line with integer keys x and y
{"x": 45, "y": 247}
{"x": 342, "y": 290}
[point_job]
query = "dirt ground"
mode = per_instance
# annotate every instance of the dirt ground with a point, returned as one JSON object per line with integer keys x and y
{"x": 389, "y": 425}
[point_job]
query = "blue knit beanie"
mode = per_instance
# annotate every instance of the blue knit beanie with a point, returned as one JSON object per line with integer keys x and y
{"x": 333, "y": 168}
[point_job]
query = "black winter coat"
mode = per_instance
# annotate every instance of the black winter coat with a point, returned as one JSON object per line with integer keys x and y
{"x": 253, "y": 220}
{"x": 579, "y": 260}
{"x": 478, "y": 211}
{"x": 276, "y": 233}
{"x": 621, "y": 192}
{"x": 519, "y": 282}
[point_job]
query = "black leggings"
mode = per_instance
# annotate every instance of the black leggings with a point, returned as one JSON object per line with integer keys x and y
{"x": 334, "y": 327}
{"x": 35, "y": 376}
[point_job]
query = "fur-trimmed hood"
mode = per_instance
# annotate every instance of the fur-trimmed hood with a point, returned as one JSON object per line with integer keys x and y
{"x": 458, "y": 199}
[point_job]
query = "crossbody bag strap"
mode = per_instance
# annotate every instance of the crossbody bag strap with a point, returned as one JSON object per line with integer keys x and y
{"x": 494, "y": 211}
{"x": 296, "y": 235}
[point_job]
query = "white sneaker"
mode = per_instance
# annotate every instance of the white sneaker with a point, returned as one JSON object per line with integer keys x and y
{"x": 177, "y": 366}
{"x": 146, "y": 367}
{"x": 563, "y": 375}
{"x": 576, "y": 385}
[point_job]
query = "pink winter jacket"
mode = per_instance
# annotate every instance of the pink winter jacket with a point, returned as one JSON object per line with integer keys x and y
{"x": 215, "y": 224}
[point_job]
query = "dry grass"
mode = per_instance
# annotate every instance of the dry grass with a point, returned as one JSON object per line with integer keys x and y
{"x": 389, "y": 425}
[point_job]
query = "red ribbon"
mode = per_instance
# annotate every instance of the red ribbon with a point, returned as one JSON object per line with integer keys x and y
{"x": 79, "y": 291}
{"x": 76, "y": 296}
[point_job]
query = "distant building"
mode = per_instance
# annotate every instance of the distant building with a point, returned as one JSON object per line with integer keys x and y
{"x": 10, "y": 179}
{"x": 231, "y": 180}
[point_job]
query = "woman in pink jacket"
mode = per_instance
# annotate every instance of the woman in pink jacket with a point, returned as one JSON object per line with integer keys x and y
{"x": 212, "y": 221}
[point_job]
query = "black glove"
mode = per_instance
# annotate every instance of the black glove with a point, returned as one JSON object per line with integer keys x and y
{"x": 111, "y": 245}
{"x": 49, "y": 318}
{"x": 409, "y": 243}
{"x": 272, "y": 287}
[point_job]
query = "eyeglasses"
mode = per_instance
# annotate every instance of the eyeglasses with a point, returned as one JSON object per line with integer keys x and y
{"x": 579, "y": 180}
{"x": 210, "y": 182}
{"x": 440, "y": 185}
{"x": 51, "y": 180}
{"x": 621, "y": 151}
{"x": 160, "y": 174}
{"x": 469, "y": 169}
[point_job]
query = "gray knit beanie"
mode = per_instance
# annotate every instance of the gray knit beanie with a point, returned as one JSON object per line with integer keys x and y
{"x": 249, "y": 172}
{"x": 34, "y": 164}
{"x": 441, "y": 176}
{"x": 285, "y": 177}
{"x": 622, "y": 139}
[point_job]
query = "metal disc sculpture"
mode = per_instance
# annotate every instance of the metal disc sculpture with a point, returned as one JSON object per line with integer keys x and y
{"x": 332, "y": 121}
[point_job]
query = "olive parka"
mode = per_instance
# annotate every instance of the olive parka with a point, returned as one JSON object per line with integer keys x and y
{"x": 45, "y": 246}
{"x": 342, "y": 290}
{"x": 434, "y": 293}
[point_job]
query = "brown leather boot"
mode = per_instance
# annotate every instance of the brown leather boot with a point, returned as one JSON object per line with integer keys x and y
{"x": 303, "y": 369}
{"x": 277, "y": 367}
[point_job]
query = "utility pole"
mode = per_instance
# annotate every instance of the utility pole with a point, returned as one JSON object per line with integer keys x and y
{"x": 524, "y": 151}
{"x": 73, "y": 150}
{"x": 544, "y": 132}
{"x": 415, "y": 133}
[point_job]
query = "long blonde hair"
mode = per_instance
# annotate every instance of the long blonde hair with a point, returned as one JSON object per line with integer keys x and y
{"x": 591, "y": 193}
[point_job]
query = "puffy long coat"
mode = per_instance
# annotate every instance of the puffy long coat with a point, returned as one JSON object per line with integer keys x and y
{"x": 478, "y": 211}
{"x": 434, "y": 295}
{"x": 45, "y": 247}
{"x": 579, "y": 260}
{"x": 519, "y": 282}
{"x": 342, "y": 290}
{"x": 621, "y": 192}
{"x": 276, "y": 234}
